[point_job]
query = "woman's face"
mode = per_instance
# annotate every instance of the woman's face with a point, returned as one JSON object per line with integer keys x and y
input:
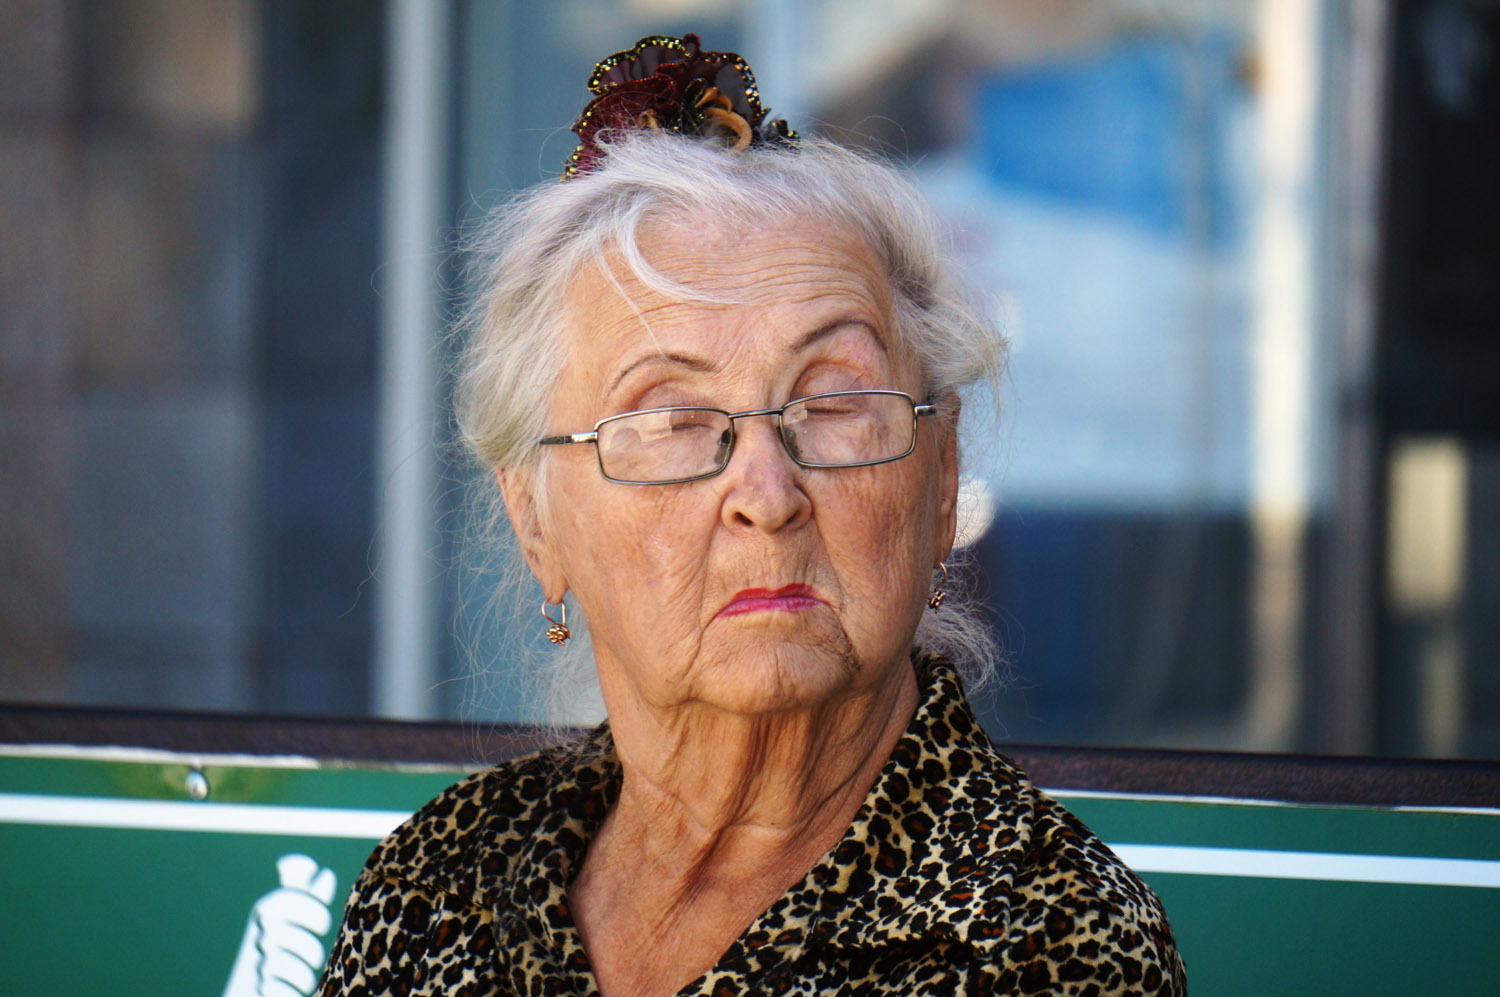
{"x": 770, "y": 586}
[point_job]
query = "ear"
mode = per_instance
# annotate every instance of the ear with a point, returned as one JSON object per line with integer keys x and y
{"x": 947, "y": 509}
{"x": 518, "y": 488}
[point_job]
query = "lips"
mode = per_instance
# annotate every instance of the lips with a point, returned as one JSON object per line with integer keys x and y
{"x": 787, "y": 599}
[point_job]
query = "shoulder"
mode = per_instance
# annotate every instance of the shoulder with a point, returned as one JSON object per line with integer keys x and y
{"x": 1081, "y": 916}
{"x": 1044, "y": 903}
{"x": 420, "y": 914}
{"x": 459, "y": 843}
{"x": 1041, "y": 902}
{"x": 397, "y": 936}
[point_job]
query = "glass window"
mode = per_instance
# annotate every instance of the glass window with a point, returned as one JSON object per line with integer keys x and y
{"x": 1240, "y": 494}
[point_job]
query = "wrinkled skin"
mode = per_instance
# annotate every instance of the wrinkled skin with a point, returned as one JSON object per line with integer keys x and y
{"x": 747, "y": 740}
{"x": 653, "y": 566}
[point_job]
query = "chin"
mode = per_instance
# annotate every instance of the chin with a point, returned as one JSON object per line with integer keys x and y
{"x": 772, "y": 675}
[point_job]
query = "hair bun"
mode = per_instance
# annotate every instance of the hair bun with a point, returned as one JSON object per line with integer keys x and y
{"x": 670, "y": 83}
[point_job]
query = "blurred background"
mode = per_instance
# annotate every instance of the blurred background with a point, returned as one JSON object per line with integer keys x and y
{"x": 1245, "y": 493}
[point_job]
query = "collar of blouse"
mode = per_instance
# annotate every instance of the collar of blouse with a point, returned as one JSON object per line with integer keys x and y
{"x": 912, "y": 864}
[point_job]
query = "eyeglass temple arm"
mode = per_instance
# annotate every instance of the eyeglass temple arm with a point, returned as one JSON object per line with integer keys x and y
{"x": 590, "y": 437}
{"x": 924, "y": 409}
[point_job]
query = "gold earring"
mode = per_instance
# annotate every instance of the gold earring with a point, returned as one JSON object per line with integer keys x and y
{"x": 557, "y": 633}
{"x": 938, "y": 595}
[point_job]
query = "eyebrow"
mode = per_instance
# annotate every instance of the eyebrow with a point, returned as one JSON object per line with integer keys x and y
{"x": 670, "y": 359}
{"x": 706, "y": 366}
{"x": 830, "y": 328}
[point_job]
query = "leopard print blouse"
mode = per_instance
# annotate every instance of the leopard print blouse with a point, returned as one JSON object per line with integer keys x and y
{"x": 957, "y": 876}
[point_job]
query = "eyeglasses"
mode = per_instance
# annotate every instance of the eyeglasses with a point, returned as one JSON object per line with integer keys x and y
{"x": 668, "y": 446}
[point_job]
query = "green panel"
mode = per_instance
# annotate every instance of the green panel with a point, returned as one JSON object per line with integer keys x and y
{"x": 369, "y": 787}
{"x": 1364, "y": 831}
{"x": 1259, "y": 936}
{"x": 162, "y": 912}
{"x": 93, "y": 911}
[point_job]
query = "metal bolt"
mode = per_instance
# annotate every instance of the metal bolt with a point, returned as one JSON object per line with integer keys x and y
{"x": 197, "y": 784}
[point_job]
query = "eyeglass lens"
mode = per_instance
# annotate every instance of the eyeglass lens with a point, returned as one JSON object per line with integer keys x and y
{"x": 836, "y": 430}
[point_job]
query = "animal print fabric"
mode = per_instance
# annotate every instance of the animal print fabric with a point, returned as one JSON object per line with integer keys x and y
{"x": 957, "y": 876}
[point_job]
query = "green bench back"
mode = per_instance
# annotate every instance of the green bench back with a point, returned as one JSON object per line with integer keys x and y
{"x": 119, "y": 881}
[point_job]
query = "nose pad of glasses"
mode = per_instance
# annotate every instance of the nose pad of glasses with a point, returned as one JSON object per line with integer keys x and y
{"x": 789, "y": 440}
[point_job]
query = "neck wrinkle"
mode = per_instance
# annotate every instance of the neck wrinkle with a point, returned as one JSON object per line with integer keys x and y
{"x": 709, "y": 795}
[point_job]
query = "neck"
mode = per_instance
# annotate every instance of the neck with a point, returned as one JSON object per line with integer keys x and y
{"x": 703, "y": 787}
{"x": 719, "y": 814}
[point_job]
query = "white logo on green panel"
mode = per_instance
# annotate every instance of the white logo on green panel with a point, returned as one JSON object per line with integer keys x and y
{"x": 281, "y": 953}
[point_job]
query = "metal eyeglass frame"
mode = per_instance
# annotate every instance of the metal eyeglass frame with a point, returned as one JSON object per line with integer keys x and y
{"x": 918, "y": 409}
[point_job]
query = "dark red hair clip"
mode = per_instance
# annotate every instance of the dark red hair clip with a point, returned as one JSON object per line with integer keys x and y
{"x": 666, "y": 82}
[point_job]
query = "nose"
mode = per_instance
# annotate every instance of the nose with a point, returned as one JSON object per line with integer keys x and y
{"x": 762, "y": 485}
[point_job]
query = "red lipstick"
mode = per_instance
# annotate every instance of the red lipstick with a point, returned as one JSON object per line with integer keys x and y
{"x": 787, "y": 599}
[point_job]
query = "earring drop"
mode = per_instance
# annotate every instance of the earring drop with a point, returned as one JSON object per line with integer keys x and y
{"x": 938, "y": 595}
{"x": 558, "y": 633}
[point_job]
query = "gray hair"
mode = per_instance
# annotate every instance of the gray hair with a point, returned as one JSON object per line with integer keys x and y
{"x": 528, "y": 251}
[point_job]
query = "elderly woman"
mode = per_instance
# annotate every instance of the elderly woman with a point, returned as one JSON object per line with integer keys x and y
{"x": 715, "y": 372}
